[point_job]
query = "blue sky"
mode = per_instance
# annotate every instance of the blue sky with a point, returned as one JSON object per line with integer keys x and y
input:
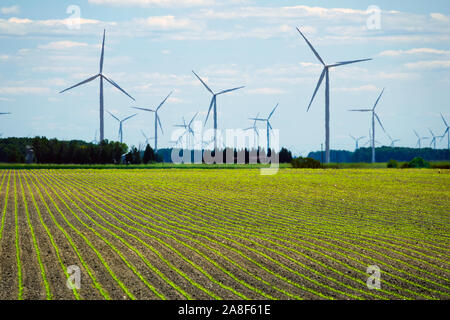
{"x": 152, "y": 46}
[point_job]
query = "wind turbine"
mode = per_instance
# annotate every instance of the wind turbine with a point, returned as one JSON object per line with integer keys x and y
{"x": 393, "y": 141}
{"x": 121, "y": 123}
{"x": 433, "y": 139}
{"x": 356, "y": 141}
{"x": 157, "y": 120}
{"x": 95, "y": 138}
{"x": 374, "y": 115}
{"x": 419, "y": 141}
{"x": 370, "y": 140}
{"x": 214, "y": 104}
{"x": 102, "y": 77}
{"x": 255, "y": 133}
{"x": 191, "y": 131}
{"x": 269, "y": 127}
{"x": 325, "y": 74}
{"x": 146, "y": 138}
{"x": 447, "y": 131}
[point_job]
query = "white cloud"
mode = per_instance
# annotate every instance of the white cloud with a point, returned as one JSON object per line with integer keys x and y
{"x": 440, "y": 17}
{"x": 166, "y": 23}
{"x": 24, "y": 90}
{"x": 365, "y": 88}
{"x": 396, "y": 53}
{"x": 428, "y": 65}
{"x": 158, "y": 3}
{"x": 10, "y": 10}
{"x": 266, "y": 91}
{"x": 62, "y": 45}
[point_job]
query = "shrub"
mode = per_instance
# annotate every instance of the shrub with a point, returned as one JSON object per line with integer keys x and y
{"x": 306, "y": 163}
{"x": 392, "y": 164}
{"x": 418, "y": 163}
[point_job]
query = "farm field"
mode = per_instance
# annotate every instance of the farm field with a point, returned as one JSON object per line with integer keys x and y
{"x": 224, "y": 234}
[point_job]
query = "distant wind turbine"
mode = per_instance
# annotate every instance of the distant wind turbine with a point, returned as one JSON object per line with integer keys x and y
{"x": 447, "y": 132}
{"x": 356, "y": 141}
{"x": 121, "y": 124}
{"x": 146, "y": 138}
{"x": 157, "y": 120}
{"x": 374, "y": 115}
{"x": 433, "y": 139}
{"x": 369, "y": 142}
{"x": 102, "y": 77}
{"x": 269, "y": 127}
{"x": 325, "y": 74}
{"x": 255, "y": 133}
{"x": 213, "y": 104}
{"x": 95, "y": 138}
{"x": 419, "y": 139}
{"x": 393, "y": 141}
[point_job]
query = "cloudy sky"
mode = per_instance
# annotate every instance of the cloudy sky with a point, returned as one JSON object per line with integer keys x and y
{"x": 152, "y": 46}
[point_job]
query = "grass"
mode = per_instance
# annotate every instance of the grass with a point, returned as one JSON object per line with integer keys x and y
{"x": 219, "y": 234}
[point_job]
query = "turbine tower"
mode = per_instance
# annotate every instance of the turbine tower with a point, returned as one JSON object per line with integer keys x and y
{"x": 419, "y": 139}
{"x": 447, "y": 132}
{"x": 325, "y": 74}
{"x": 269, "y": 127}
{"x": 121, "y": 124}
{"x": 255, "y": 133}
{"x": 102, "y": 77}
{"x": 356, "y": 141}
{"x": 157, "y": 120}
{"x": 374, "y": 116}
{"x": 214, "y": 104}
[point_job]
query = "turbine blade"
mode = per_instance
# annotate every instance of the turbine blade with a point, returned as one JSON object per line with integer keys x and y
{"x": 378, "y": 100}
{"x": 312, "y": 48}
{"x": 338, "y": 64}
{"x": 159, "y": 122}
{"x": 103, "y": 52}
{"x": 117, "y": 86}
{"x": 229, "y": 90}
{"x": 149, "y": 110}
{"x": 317, "y": 88}
{"x": 270, "y": 115}
{"x": 81, "y": 83}
{"x": 352, "y": 137}
{"x": 360, "y": 110}
{"x": 161, "y": 104}
{"x": 193, "y": 119}
{"x": 206, "y": 86}
{"x": 416, "y": 134}
{"x": 113, "y": 116}
{"x": 379, "y": 121}
{"x": 127, "y": 118}
{"x": 210, "y": 107}
{"x": 445, "y": 122}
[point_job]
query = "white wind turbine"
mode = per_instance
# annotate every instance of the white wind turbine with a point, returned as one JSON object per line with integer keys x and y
{"x": 269, "y": 127}
{"x": 121, "y": 124}
{"x": 255, "y": 133}
{"x": 393, "y": 141}
{"x": 374, "y": 116}
{"x": 213, "y": 104}
{"x": 447, "y": 132}
{"x": 419, "y": 139}
{"x": 102, "y": 77}
{"x": 146, "y": 138}
{"x": 325, "y": 74}
{"x": 433, "y": 139}
{"x": 356, "y": 141}
{"x": 157, "y": 119}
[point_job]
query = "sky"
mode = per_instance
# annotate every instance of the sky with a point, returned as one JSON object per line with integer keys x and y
{"x": 152, "y": 46}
